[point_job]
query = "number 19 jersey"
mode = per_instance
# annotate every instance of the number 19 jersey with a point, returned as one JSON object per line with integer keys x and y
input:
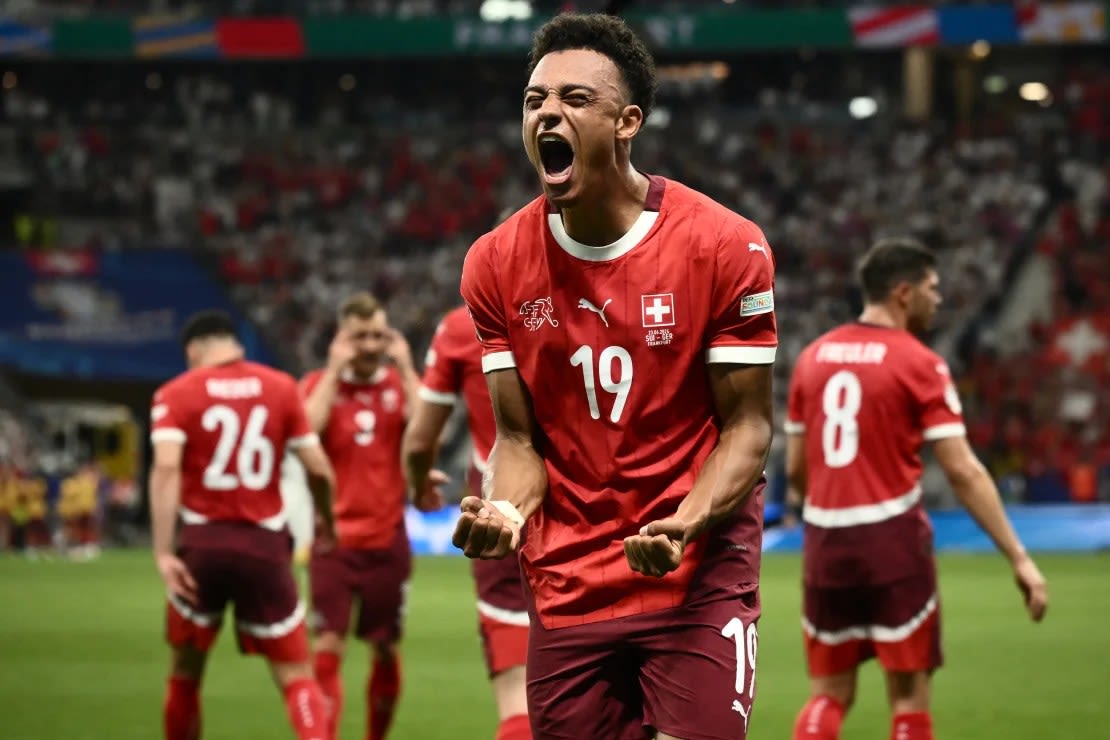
{"x": 235, "y": 421}
{"x": 612, "y": 344}
{"x": 866, "y": 397}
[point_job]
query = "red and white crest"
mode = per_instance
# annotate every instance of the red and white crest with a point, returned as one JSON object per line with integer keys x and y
{"x": 657, "y": 310}
{"x": 538, "y": 312}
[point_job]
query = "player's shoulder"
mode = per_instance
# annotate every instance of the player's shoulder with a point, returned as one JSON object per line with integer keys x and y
{"x": 456, "y": 323}
{"x": 311, "y": 378}
{"x": 518, "y": 231}
{"x": 182, "y": 382}
{"x": 272, "y": 378}
{"x": 709, "y": 215}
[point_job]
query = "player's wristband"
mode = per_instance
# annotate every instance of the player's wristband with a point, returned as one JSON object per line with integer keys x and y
{"x": 507, "y": 510}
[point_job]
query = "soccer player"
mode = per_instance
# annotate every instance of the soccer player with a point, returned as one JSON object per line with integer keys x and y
{"x": 863, "y": 399}
{"x": 628, "y": 331}
{"x": 358, "y": 404}
{"x": 219, "y": 431}
{"x": 453, "y": 368}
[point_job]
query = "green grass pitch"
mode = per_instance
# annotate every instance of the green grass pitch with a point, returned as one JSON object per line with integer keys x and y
{"x": 82, "y": 658}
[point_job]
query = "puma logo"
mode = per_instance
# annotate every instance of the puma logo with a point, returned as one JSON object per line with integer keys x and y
{"x": 753, "y": 247}
{"x": 583, "y": 303}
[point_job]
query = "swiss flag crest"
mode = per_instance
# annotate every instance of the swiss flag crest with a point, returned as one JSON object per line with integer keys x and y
{"x": 657, "y": 310}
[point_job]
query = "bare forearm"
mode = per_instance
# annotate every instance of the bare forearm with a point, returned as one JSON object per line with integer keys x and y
{"x": 410, "y": 381}
{"x": 418, "y": 463}
{"x": 978, "y": 494}
{"x": 319, "y": 402}
{"x": 728, "y": 476}
{"x": 165, "y": 488}
{"x": 321, "y": 488}
{"x": 517, "y": 474}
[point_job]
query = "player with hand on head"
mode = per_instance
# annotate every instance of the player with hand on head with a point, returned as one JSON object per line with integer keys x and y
{"x": 453, "y": 369}
{"x": 219, "y": 431}
{"x": 863, "y": 399}
{"x": 628, "y": 331}
{"x": 358, "y": 404}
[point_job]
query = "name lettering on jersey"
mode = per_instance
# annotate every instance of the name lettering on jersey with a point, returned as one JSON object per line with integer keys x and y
{"x": 231, "y": 388}
{"x": 657, "y": 310}
{"x": 757, "y": 303}
{"x": 852, "y": 353}
{"x": 583, "y": 303}
{"x": 537, "y": 313}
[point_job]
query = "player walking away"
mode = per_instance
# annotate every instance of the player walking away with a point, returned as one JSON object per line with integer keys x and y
{"x": 628, "y": 331}
{"x": 454, "y": 368}
{"x": 219, "y": 433}
{"x": 863, "y": 399}
{"x": 358, "y": 405}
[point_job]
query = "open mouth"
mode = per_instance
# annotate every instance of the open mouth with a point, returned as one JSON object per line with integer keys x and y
{"x": 556, "y": 156}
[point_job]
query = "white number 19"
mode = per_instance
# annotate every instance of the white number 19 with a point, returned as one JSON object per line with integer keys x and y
{"x": 584, "y": 358}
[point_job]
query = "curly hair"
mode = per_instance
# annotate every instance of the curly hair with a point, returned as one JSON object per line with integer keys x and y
{"x": 605, "y": 34}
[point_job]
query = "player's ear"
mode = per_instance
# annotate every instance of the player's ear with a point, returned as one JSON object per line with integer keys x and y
{"x": 902, "y": 292}
{"x": 630, "y": 122}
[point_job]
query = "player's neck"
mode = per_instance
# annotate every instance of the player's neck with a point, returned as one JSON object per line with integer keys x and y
{"x": 221, "y": 354}
{"x": 353, "y": 376}
{"x": 598, "y": 222}
{"x": 880, "y": 315}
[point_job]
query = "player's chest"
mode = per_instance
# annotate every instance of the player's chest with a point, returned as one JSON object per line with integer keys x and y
{"x": 362, "y": 417}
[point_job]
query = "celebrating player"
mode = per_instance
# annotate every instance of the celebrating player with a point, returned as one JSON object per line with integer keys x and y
{"x": 628, "y": 331}
{"x": 863, "y": 399}
{"x": 358, "y": 404}
{"x": 453, "y": 368}
{"x": 219, "y": 431}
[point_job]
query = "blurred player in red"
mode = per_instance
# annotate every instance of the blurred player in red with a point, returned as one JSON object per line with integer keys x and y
{"x": 358, "y": 404}
{"x": 628, "y": 332}
{"x": 863, "y": 399}
{"x": 219, "y": 432}
{"x": 454, "y": 368}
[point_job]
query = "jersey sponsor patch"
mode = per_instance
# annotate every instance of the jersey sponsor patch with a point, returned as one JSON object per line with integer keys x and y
{"x": 757, "y": 303}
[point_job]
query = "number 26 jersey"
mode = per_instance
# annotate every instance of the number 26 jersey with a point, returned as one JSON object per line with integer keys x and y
{"x": 612, "y": 344}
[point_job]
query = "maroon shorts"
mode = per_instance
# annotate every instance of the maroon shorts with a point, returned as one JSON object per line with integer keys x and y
{"x": 250, "y": 567}
{"x": 377, "y": 578}
{"x": 897, "y": 622}
{"x": 688, "y": 672}
{"x": 502, "y": 613}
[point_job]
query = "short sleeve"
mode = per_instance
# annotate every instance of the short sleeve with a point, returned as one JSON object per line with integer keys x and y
{"x": 742, "y": 327}
{"x": 299, "y": 432}
{"x": 480, "y": 293}
{"x": 167, "y": 417}
{"x": 795, "y": 403}
{"x": 443, "y": 375}
{"x": 940, "y": 411}
{"x": 307, "y": 383}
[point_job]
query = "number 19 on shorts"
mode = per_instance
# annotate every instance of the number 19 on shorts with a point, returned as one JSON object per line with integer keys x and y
{"x": 618, "y": 386}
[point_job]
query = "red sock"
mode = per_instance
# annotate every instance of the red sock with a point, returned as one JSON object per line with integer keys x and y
{"x": 381, "y": 696}
{"x": 820, "y": 719}
{"x": 516, "y": 727}
{"x": 327, "y": 675}
{"x": 308, "y": 710}
{"x": 181, "y": 709}
{"x": 912, "y": 726}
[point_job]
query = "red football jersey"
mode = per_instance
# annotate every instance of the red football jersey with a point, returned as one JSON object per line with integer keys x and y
{"x": 612, "y": 343}
{"x": 866, "y": 397}
{"x": 235, "y": 421}
{"x": 453, "y": 367}
{"x": 363, "y": 440}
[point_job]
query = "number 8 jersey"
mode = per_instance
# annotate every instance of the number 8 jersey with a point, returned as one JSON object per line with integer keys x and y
{"x": 866, "y": 397}
{"x": 235, "y": 422}
{"x": 612, "y": 343}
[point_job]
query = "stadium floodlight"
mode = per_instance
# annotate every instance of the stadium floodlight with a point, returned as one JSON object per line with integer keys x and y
{"x": 1034, "y": 92}
{"x": 981, "y": 49}
{"x": 863, "y": 107}
{"x": 496, "y": 11}
{"x": 995, "y": 84}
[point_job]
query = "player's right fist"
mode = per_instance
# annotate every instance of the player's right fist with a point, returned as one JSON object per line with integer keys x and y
{"x": 482, "y": 532}
{"x": 341, "y": 351}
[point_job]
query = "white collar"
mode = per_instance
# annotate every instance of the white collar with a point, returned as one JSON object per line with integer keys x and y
{"x": 620, "y": 247}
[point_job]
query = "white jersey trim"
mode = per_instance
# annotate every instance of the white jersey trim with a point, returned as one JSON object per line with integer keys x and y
{"x": 307, "y": 440}
{"x": 277, "y": 629}
{"x": 168, "y": 434}
{"x": 505, "y": 616}
{"x": 275, "y": 523}
{"x": 439, "y": 398}
{"x": 852, "y": 516}
{"x": 873, "y": 632}
{"x": 480, "y": 463}
{"x": 198, "y": 618}
{"x": 741, "y": 355}
{"x": 793, "y": 427}
{"x": 945, "y": 431}
{"x": 619, "y": 248}
{"x": 498, "y": 361}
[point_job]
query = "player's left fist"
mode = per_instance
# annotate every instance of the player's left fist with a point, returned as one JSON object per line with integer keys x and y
{"x": 657, "y": 549}
{"x": 431, "y": 498}
{"x": 482, "y": 532}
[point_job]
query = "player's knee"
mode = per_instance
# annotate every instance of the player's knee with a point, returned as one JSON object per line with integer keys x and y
{"x": 841, "y": 688}
{"x": 908, "y": 691}
{"x": 383, "y": 650}
{"x": 188, "y": 662}
{"x": 286, "y": 673}
{"x": 510, "y": 692}
{"x": 329, "y": 642}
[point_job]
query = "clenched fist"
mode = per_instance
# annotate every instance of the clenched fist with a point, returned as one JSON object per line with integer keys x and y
{"x": 482, "y": 531}
{"x": 657, "y": 549}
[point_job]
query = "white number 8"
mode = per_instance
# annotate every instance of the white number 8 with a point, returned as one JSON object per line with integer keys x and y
{"x": 840, "y": 434}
